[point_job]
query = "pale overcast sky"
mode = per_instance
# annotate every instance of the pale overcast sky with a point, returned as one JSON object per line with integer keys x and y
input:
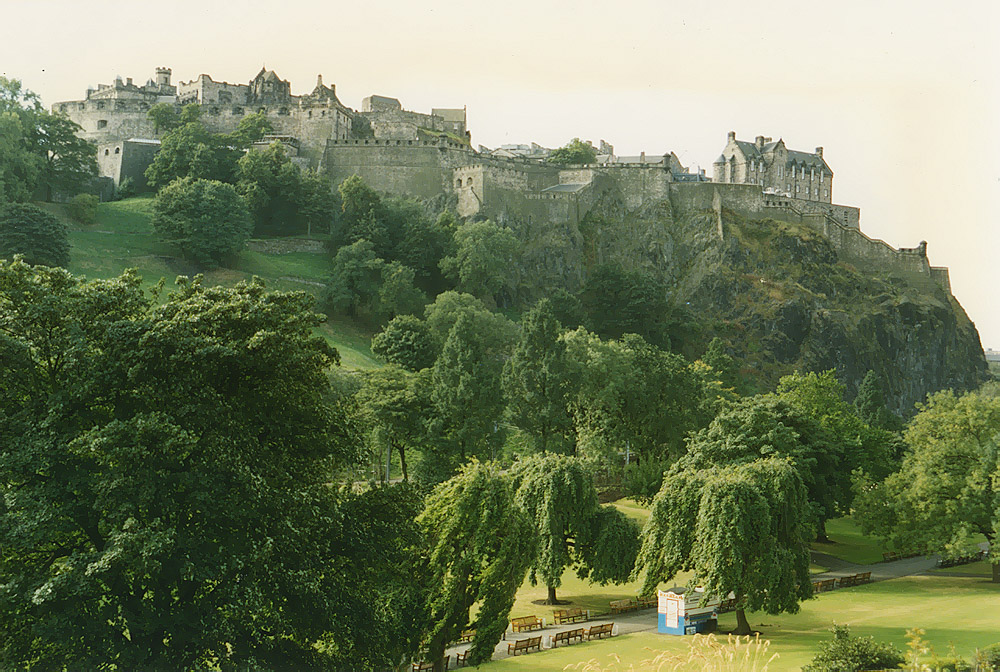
{"x": 904, "y": 96}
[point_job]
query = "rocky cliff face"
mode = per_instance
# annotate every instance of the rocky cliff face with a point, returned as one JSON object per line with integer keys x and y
{"x": 777, "y": 293}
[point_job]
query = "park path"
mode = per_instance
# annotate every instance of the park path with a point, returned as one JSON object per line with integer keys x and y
{"x": 645, "y": 620}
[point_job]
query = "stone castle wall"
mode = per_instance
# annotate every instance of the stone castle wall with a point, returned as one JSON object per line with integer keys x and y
{"x": 420, "y": 168}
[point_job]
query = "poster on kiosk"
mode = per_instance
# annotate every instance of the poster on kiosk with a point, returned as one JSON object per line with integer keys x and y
{"x": 681, "y": 612}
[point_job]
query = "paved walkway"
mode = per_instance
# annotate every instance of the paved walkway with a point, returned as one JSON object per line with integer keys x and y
{"x": 645, "y": 620}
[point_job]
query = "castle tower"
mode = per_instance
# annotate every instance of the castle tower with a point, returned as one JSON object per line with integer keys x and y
{"x": 163, "y": 76}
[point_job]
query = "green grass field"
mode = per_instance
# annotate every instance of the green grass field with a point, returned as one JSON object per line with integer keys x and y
{"x": 848, "y": 543}
{"x": 123, "y": 238}
{"x": 964, "y": 612}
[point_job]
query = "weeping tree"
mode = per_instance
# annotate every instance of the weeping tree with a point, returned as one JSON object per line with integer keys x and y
{"x": 739, "y": 529}
{"x": 572, "y": 529}
{"x": 480, "y": 547}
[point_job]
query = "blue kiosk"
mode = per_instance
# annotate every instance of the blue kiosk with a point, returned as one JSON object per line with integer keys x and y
{"x": 681, "y": 613}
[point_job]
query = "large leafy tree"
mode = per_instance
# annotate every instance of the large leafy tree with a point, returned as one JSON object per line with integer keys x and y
{"x": 852, "y": 443}
{"x": 636, "y": 398}
{"x": 538, "y": 381}
{"x": 948, "y": 487}
{"x": 572, "y": 529}
{"x": 406, "y": 341}
{"x": 39, "y": 148}
{"x": 206, "y": 219}
{"x": 466, "y": 389}
{"x": 164, "y": 472}
{"x": 69, "y": 162}
{"x": 576, "y": 151}
{"x": 39, "y": 236}
{"x": 483, "y": 263}
{"x": 191, "y": 150}
{"x": 282, "y": 198}
{"x": 480, "y": 547}
{"x": 395, "y": 404}
{"x": 738, "y": 528}
{"x": 765, "y": 426}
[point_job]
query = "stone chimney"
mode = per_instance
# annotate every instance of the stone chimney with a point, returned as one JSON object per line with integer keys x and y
{"x": 642, "y": 157}
{"x": 759, "y": 141}
{"x": 732, "y": 136}
{"x": 319, "y": 81}
{"x": 128, "y": 81}
{"x": 819, "y": 152}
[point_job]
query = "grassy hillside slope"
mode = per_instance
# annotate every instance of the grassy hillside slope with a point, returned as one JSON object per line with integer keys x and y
{"x": 123, "y": 238}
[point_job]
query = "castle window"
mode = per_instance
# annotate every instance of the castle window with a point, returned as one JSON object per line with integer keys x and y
{"x": 781, "y": 172}
{"x": 469, "y": 182}
{"x": 788, "y": 188}
{"x": 458, "y": 182}
{"x": 798, "y": 188}
{"x": 821, "y": 174}
{"x": 826, "y": 194}
{"x": 237, "y": 110}
{"x": 100, "y": 104}
{"x": 102, "y": 123}
{"x": 107, "y": 152}
{"x": 812, "y": 173}
{"x": 118, "y": 150}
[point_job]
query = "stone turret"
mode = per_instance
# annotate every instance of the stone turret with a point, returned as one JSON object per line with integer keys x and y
{"x": 163, "y": 76}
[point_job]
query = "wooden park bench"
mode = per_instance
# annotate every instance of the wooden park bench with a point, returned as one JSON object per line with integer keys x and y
{"x": 598, "y": 631}
{"x": 647, "y": 602}
{"x": 525, "y": 645}
{"x": 891, "y": 556}
{"x": 727, "y": 605}
{"x": 824, "y": 585}
{"x": 847, "y": 581}
{"x": 466, "y": 636}
{"x": 462, "y": 659}
{"x": 863, "y": 577}
{"x": 429, "y": 667}
{"x": 621, "y": 606}
{"x": 574, "y": 615}
{"x": 567, "y": 636}
{"x": 525, "y": 624}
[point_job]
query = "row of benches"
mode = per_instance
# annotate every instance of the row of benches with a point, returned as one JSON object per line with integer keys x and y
{"x": 964, "y": 559}
{"x": 565, "y": 637}
{"x": 843, "y": 582}
{"x": 892, "y": 556}
{"x": 622, "y": 606}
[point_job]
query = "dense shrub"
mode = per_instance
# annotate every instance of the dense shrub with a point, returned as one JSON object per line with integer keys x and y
{"x": 83, "y": 209}
{"x": 30, "y": 231}
{"x": 207, "y": 219}
{"x": 853, "y": 654}
{"x": 988, "y": 658}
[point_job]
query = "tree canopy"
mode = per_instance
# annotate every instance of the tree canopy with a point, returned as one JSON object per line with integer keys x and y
{"x": 948, "y": 487}
{"x": 576, "y": 151}
{"x": 164, "y": 472}
{"x": 39, "y": 149}
{"x": 538, "y": 381}
{"x": 557, "y": 494}
{"x": 206, "y": 219}
{"x": 282, "y": 198}
{"x": 483, "y": 263}
{"x": 739, "y": 528}
{"x": 480, "y": 546}
{"x": 39, "y": 236}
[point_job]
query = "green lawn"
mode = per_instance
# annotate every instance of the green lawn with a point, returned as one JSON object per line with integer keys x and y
{"x": 123, "y": 238}
{"x": 960, "y": 611}
{"x": 848, "y": 543}
{"x": 981, "y": 568}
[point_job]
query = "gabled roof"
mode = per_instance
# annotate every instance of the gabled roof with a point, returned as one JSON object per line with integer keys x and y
{"x": 807, "y": 159}
{"x": 749, "y": 149}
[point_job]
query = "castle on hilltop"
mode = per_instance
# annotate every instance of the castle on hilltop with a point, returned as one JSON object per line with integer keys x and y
{"x": 428, "y": 155}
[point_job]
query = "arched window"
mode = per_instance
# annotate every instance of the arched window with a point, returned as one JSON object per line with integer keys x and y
{"x": 107, "y": 152}
{"x": 118, "y": 150}
{"x": 458, "y": 182}
{"x": 469, "y": 183}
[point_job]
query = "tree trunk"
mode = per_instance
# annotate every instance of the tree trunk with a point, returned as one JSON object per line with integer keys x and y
{"x": 996, "y": 571}
{"x": 402, "y": 460}
{"x": 821, "y": 532}
{"x": 742, "y": 624}
{"x": 552, "y": 595}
